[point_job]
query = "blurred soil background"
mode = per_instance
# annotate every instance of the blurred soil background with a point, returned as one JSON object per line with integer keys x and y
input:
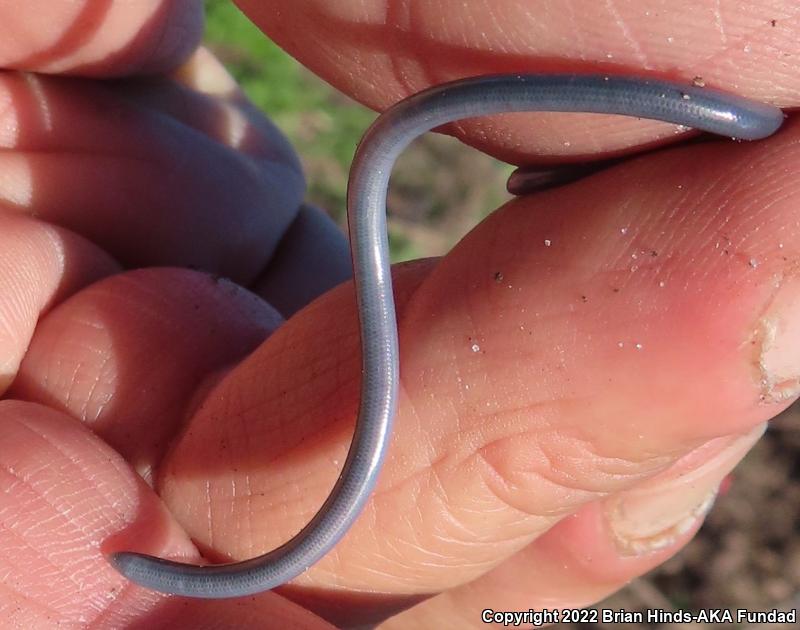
{"x": 748, "y": 553}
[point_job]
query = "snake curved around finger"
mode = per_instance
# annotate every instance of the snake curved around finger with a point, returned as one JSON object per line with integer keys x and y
{"x": 701, "y": 108}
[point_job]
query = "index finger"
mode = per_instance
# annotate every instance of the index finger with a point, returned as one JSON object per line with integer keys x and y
{"x": 379, "y": 52}
{"x": 98, "y": 37}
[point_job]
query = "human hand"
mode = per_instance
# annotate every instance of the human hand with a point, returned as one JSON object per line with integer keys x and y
{"x": 550, "y": 425}
{"x": 100, "y": 177}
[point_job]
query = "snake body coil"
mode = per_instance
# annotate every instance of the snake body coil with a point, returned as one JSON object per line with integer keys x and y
{"x": 701, "y": 108}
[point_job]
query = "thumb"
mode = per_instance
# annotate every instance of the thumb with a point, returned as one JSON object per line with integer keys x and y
{"x": 379, "y": 52}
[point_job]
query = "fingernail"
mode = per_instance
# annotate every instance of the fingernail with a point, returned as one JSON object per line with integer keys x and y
{"x": 657, "y": 513}
{"x": 777, "y": 344}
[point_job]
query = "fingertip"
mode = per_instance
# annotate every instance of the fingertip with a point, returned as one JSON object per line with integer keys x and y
{"x": 165, "y": 331}
{"x": 65, "y": 496}
{"x": 99, "y": 38}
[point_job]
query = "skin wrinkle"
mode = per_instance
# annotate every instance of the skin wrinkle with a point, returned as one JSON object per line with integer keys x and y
{"x": 87, "y": 531}
{"x": 396, "y": 558}
{"x": 431, "y": 473}
{"x": 314, "y": 14}
{"x": 749, "y": 204}
{"x": 117, "y": 596}
{"x": 209, "y": 515}
{"x": 30, "y": 602}
{"x": 401, "y": 559}
{"x": 764, "y": 207}
{"x": 398, "y": 18}
{"x": 734, "y": 43}
{"x": 410, "y": 408}
{"x": 453, "y": 557}
{"x": 74, "y": 463}
{"x": 591, "y": 481}
{"x": 498, "y": 485}
{"x": 289, "y": 498}
{"x": 288, "y": 450}
{"x": 498, "y": 29}
{"x": 409, "y": 566}
{"x": 77, "y": 368}
{"x": 711, "y": 213}
{"x": 756, "y": 207}
{"x": 34, "y": 552}
{"x": 547, "y": 473}
{"x": 719, "y": 22}
{"x": 635, "y": 460}
{"x": 37, "y": 551}
{"x": 89, "y": 399}
{"x": 636, "y": 48}
{"x": 249, "y": 509}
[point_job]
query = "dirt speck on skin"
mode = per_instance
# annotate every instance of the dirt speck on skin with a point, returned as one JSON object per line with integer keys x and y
{"x": 498, "y": 276}
{"x": 747, "y": 554}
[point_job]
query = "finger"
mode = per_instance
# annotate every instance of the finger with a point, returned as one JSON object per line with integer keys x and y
{"x": 65, "y": 494}
{"x": 597, "y": 551}
{"x": 98, "y": 37}
{"x": 68, "y": 498}
{"x": 207, "y": 189}
{"x": 379, "y": 52}
{"x": 127, "y": 355}
{"x": 313, "y": 257}
{"x": 39, "y": 266}
{"x": 550, "y": 360}
{"x": 203, "y": 95}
